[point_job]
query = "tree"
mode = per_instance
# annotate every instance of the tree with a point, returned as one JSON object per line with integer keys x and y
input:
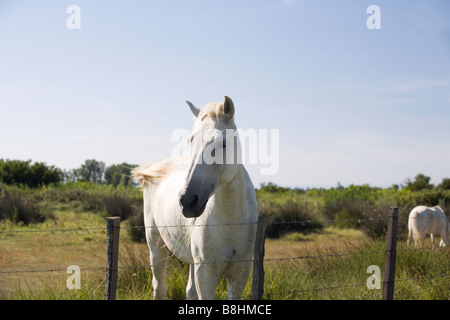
{"x": 272, "y": 188}
{"x": 40, "y": 174}
{"x": 22, "y": 173}
{"x": 445, "y": 184}
{"x": 14, "y": 171}
{"x": 421, "y": 182}
{"x": 119, "y": 174}
{"x": 92, "y": 171}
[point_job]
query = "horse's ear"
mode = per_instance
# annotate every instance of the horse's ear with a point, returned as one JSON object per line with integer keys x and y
{"x": 228, "y": 108}
{"x": 193, "y": 108}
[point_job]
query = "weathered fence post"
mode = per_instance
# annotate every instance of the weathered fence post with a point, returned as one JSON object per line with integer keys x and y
{"x": 112, "y": 238}
{"x": 391, "y": 252}
{"x": 258, "y": 259}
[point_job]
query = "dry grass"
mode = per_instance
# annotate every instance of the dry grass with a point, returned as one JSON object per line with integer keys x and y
{"x": 43, "y": 250}
{"x": 285, "y": 278}
{"x": 327, "y": 241}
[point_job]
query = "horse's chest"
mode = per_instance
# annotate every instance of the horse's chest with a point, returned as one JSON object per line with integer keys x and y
{"x": 226, "y": 242}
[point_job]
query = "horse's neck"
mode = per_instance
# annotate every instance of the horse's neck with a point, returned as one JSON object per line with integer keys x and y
{"x": 232, "y": 197}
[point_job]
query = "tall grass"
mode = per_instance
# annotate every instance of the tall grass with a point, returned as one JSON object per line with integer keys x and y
{"x": 420, "y": 274}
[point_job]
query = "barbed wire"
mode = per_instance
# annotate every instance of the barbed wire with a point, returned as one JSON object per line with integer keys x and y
{"x": 359, "y": 220}
{"x": 49, "y": 270}
{"x": 290, "y": 292}
{"x": 319, "y": 256}
{"x": 52, "y": 230}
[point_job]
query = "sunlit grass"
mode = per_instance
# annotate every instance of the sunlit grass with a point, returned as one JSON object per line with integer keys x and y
{"x": 335, "y": 267}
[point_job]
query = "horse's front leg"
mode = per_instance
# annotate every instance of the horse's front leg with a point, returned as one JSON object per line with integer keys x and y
{"x": 191, "y": 291}
{"x": 207, "y": 277}
{"x": 158, "y": 262}
{"x": 237, "y": 276}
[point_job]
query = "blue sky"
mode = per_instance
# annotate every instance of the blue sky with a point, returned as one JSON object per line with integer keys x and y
{"x": 352, "y": 105}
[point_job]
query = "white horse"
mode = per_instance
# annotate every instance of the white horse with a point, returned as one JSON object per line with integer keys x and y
{"x": 425, "y": 221}
{"x": 202, "y": 208}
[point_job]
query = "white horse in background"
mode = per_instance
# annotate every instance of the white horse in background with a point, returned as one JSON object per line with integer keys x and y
{"x": 425, "y": 221}
{"x": 202, "y": 208}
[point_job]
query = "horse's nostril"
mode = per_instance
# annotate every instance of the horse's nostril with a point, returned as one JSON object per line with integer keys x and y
{"x": 189, "y": 201}
{"x": 195, "y": 200}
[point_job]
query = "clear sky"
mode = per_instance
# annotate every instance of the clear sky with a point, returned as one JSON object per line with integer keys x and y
{"x": 351, "y": 105}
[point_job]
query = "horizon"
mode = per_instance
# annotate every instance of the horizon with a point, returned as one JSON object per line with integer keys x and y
{"x": 337, "y": 185}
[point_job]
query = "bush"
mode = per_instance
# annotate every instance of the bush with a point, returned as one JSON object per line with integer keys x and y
{"x": 127, "y": 209}
{"x": 137, "y": 230}
{"x": 375, "y": 220}
{"x": 290, "y": 216}
{"x": 118, "y": 206}
{"x": 17, "y": 209}
{"x": 349, "y": 218}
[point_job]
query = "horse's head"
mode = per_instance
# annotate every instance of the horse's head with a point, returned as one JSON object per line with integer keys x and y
{"x": 213, "y": 155}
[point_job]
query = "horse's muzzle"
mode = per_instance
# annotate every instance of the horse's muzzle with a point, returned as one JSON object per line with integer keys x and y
{"x": 191, "y": 205}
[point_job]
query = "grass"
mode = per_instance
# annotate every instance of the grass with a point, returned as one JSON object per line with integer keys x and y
{"x": 343, "y": 276}
{"x": 322, "y": 276}
{"x": 328, "y": 267}
{"x": 42, "y": 250}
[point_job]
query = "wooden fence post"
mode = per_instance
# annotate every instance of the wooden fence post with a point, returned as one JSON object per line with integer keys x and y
{"x": 258, "y": 259}
{"x": 112, "y": 238}
{"x": 391, "y": 253}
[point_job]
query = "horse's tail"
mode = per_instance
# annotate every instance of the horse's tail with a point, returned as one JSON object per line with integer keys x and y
{"x": 140, "y": 174}
{"x": 148, "y": 174}
{"x": 413, "y": 231}
{"x": 153, "y": 173}
{"x": 410, "y": 236}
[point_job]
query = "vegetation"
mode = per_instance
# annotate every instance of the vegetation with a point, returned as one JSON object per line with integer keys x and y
{"x": 312, "y": 222}
{"x": 361, "y": 207}
{"x": 23, "y": 173}
{"x": 420, "y": 273}
{"x": 38, "y": 174}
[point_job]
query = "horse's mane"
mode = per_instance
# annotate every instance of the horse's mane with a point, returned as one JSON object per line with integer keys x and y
{"x": 153, "y": 173}
{"x": 213, "y": 110}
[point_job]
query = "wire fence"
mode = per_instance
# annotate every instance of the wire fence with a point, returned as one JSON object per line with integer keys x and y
{"x": 266, "y": 260}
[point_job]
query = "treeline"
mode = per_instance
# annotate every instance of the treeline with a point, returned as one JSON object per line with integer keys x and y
{"x": 419, "y": 183}
{"x": 38, "y": 174}
{"x": 422, "y": 182}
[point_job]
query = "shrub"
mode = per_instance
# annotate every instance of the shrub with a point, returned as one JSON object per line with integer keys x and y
{"x": 137, "y": 230}
{"x": 375, "y": 220}
{"x": 127, "y": 209}
{"x": 349, "y": 217}
{"x": 17, "y": 209}
{"x": 118, "y": 206}
{"x": 290, "y": 216}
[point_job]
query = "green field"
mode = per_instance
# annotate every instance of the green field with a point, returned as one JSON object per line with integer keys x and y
{"x": 326, "y": 261}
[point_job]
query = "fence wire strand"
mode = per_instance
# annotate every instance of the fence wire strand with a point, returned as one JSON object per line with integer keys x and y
{"x": 328, "y": 221}
{"x": 290, "y": 292}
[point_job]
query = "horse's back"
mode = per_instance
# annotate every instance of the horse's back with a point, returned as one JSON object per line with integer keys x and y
{"x": 426, "y": 219}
